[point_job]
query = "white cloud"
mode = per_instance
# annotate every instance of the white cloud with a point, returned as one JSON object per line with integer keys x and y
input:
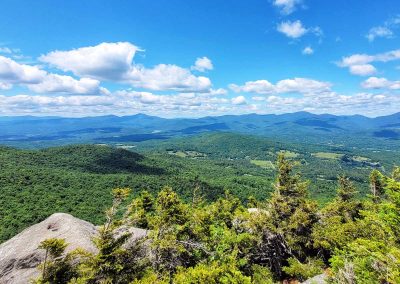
{"x": 114, "y": 62}
{"x": 362, "y": 69}
{"x": 302, "y": 85}
{"x": 308, "y": 50}
{"x": 296, "y": 29}
{"x": 287, "y": 6}
{"x": 12, "y": 72}
{"x": 375, "y": 32}
{"x": 258, "y": 87}
{"x": 384, "y": 31}
{"x": 258, "y": 98}
{"x": 202, "y": 64}
{"x": 240, "y": 100}
{"x": 361, "y": 64}
{"x": 120, "y": 102}
{"x": 296, "y": 85}
{"x": 380, "y": 83}
{"x": 360, "y": 103}
{"x": 292, "y": 29}
{"x": 169, "y": 77}
{"x": 40, "y": 81}
{"x": 53, "y": 83}
{"x": 194, "y": 104}
{"x": 106, "y": 61}
{"x": 218, "y": 92}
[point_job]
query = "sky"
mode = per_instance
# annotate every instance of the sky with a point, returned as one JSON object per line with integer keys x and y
{"x": 175, "y": 58}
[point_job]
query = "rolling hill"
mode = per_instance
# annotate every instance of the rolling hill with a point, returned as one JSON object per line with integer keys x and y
{"x": 356, "y": 130}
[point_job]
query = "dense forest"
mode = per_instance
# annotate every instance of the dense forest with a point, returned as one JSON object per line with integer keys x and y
{"x": 286, "y": 236}
{"x": 77, "y": 179}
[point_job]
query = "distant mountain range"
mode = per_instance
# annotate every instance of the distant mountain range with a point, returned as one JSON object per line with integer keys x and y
{"x": 300, "y": 126}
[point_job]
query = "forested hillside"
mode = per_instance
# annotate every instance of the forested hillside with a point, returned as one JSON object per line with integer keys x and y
{"x": 284, "y": 237}
{"x": 77, "y": 179}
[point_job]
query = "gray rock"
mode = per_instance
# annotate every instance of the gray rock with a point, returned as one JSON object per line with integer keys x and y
{"x": 20, "y": 256}
{"x": 318, "y": 279}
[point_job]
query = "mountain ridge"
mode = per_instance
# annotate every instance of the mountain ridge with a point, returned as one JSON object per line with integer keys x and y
{"x": 299, "y": 127}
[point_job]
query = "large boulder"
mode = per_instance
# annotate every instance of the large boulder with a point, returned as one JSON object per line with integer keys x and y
{"x": 20, "y": 256}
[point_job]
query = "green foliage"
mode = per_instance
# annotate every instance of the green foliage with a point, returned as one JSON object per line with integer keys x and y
{"x": 56, "y": 267}
{"x": 77, "y": 179}
{"x": 213, "y": 273}
{"x": 373, "y": 255}
{"x": 113, "y": 263}
{"x": 366, "y": 261}
{"x": 303, "y": 271}
{"x": 286, "y": 236}
{"x": 376, "y": 181}
{"x": 261, "y": 275}
{"x": 346, "y": 190}
{"x": 293, "y": 214}
{"x": 54, "y": 247}
{"x": 337, "y": 225}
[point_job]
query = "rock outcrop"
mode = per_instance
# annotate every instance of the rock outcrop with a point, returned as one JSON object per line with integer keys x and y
{"x": 20, "y": 256}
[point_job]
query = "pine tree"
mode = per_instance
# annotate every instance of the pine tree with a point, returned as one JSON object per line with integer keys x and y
{"x": 346, "y": 190}
{"x": 376, "y": 185}
{"x": 57, "y": 266}
{"x": 114, "y": 263}
{"x": 292, "y": 213}
{"x": 167, "y": 233}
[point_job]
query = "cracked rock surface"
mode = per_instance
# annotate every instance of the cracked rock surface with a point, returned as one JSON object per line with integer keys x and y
{"x": 20, "y": 255}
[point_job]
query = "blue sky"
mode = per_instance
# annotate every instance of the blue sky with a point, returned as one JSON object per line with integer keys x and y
{"x": 267, "y": 56}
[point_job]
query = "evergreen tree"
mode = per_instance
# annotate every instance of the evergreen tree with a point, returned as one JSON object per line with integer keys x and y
{"x": 376, "y": 185}
{"x": 57, "y": 267}
{"x": 337, "y": 225}
{"x": 292, "y": 213}
{"x": 168, "y": 234}
{"x": 114, "y": 263}
{"x": 346, "y": 190}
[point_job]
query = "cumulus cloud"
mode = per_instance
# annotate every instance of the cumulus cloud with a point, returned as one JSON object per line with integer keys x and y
{"x": 384, "y": 31}
{"x": 380, "y": 83}
{"x": 40, "y": 81}
{"x": 362, "y": 69}
{"x": 308, "y": 50}
{"x": 258, "y": 98}
{"x": 169, "y": 77}
{"x": 54, "y": 83}
{"x": 296, "y": 29}
{"x": 106, "y": 61}
{"x": 203, "y": 64}
{"x": 114, "y": 62}
{"x": 218, "y": 92}
{"x": 292, "y": 29}
{"x": 240, "y": 100}
{"x": 296, "y": 85}
{"x": 287, "y": 6}
{"x": 360, "y": 103}
{"x": 361, "y": 64}
{"x": 12, "y": 72}
{"x": 195, "y": 104}
{"x": 122, "y": 102}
